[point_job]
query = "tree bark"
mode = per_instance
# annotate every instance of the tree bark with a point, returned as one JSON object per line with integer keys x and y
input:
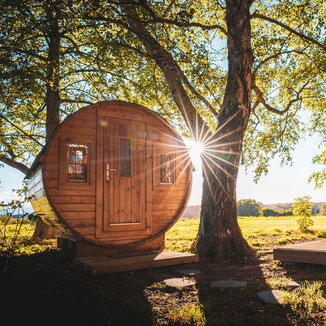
{"x": 14, "y": 164}
{"x": 220, "y": 237}
{"x": 52, "y": 99}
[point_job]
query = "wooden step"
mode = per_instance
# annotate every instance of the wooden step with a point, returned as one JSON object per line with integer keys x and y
{"x": 312, "y": 252}
{"x": 106, "y": 265}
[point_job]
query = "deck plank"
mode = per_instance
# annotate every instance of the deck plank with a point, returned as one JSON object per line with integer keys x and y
{"x": 312, "y": 252}
{"x": 106, "y": 265}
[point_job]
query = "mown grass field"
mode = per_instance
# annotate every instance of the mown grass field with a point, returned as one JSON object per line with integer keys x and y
{"x": 48, "y": 283}
{"x": 262, "y": 233}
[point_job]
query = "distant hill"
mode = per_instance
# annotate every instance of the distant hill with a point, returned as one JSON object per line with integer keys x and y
{"x": 191, "y": 211}
{"x": 194, "y": 211}
{"x": 316, "y": 206}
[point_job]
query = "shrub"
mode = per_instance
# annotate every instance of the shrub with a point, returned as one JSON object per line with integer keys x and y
{"x": 10, "y": 227}
{"x": 303, "y": 209}
{"x": 248, "y": 207}
{"x": 285, "y": 212}
{"x": 323, "y": 209}
{"x": 270, "y": 212}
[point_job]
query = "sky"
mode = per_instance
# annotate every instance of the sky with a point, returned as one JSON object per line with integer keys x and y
{"x": 281, "y": 185}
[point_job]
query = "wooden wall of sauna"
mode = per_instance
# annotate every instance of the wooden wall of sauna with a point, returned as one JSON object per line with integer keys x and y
{"x": 73, "y": 209}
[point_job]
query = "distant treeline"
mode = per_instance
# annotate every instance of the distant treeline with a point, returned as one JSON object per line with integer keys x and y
{"x": 249, "y": 207}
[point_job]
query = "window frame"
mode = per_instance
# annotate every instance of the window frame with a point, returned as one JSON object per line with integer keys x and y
{"x": 158, "y": 151}
{"x": 64, "y": 183}
{"x": 171, "y": 167}
{"x": 84, "y": 149}
{"x": 130, "y": 159}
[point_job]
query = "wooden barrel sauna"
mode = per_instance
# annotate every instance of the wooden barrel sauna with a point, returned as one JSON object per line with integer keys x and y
{"x": 114, "y": 177}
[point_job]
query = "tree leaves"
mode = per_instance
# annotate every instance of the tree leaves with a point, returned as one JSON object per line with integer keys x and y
{"x": 102, "y": 59}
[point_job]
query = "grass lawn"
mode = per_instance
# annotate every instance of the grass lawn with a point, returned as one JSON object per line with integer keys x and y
{"x": 262, "y": 233}
{"x": 41, "y": 285}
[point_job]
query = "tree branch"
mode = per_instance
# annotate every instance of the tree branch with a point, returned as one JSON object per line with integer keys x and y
{"x": 300, "y": 52}
{"x": 197, "y": 94}
{"x": 262, "y": 100}
{"x": 180, "y": 23}
{"x": 21, "y": 130}
{"x": 288, "y": 28}
{"x": 28, "y": 52}
{"x": 66, "y": 100}
{"x": 14, "y": 164}
{"x": 169, "y": 67}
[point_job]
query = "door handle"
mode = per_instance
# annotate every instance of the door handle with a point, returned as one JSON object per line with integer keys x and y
{"x": 108, "y": 171}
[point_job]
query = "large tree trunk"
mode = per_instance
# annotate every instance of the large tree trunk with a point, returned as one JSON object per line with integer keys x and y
{"x": 220, "y": 237}
{"x": 52, "y": 99}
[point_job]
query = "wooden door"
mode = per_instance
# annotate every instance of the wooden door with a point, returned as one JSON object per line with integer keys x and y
{"x": 125, "y": 180}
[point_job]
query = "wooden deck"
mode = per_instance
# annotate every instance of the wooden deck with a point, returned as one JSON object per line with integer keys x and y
{"x": 107, "y": 265}
{"x": 313, "y": 252}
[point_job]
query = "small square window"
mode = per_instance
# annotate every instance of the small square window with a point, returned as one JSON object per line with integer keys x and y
{"x": 166, "y": 168}
{"x": 77, "y": 162}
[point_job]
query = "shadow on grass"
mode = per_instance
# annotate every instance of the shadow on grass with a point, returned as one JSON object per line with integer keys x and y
{"x": 49, "y": 288}
{"x": 304, "y": 272}
{"x": 238, "y": 306}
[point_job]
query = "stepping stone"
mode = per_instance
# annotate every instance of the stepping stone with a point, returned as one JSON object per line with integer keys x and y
{"x": 178, "y": 282}
{"x": 223, "y": 284}
{"x": 188, "y": 272}
{"x": 272, "y": 296}
{"x": 294, "y": 284}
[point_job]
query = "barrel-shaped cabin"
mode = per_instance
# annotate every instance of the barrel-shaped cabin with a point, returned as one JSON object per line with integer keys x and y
{"x": 114, "y": 176}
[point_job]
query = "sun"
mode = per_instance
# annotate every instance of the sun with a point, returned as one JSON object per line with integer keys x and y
{"x": 196, "y": 148}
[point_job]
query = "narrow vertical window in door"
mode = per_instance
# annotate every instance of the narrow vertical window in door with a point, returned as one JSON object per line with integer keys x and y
{"x": 125, "y": 157}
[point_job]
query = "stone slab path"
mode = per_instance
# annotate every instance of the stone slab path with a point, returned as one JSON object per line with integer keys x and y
{"x": 223, "y": 284}
{"x": 272, "y": 296}
{"x": 178, "y": 282}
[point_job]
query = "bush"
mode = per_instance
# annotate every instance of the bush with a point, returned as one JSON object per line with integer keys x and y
{"x": 284, "y": 212}
{"x": 270, "y": 212}
{"x": 248, "y": 207}
{"x": 11, "y": 227}
{"x": 323, "y": 209}
{"x": 303, "y": 209}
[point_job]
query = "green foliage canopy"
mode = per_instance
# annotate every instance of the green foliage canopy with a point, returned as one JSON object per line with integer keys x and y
{"x": 102, "y": 59}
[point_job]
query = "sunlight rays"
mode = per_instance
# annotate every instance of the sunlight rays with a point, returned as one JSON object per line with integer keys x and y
{"x": 219, "y": 152}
